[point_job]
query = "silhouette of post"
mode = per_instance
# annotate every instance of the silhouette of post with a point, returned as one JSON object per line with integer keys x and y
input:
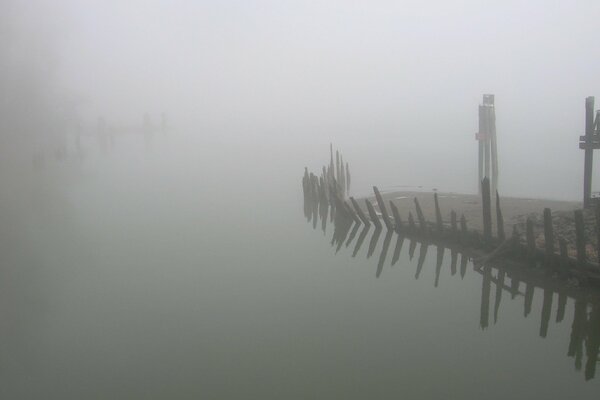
{"x": 488, "y": 151}
{"x": 588, "y": 147}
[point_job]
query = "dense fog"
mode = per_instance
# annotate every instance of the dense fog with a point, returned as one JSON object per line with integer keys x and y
{"x": 395, "y": 84}
{"x": 152, "y": 243}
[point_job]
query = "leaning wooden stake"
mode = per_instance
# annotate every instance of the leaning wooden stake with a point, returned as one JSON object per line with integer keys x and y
{"x": 351, "y": 212}
{"x": 360, "y": 212}
{"x": 438, "y": 214}
{"x": 580, "y": 237}
{"x": 499, "y": 218}
{"x": 373, "y": 214}
{"x": 399, "y": 226}
{"x": 381, "y": 204}
{"x": 487, "y": 210}
{"x": 420, "y": 216}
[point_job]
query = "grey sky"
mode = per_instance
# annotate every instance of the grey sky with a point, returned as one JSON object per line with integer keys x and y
{"x": 366, "y": 75}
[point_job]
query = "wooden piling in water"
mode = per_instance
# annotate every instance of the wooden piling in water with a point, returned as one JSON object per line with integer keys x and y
{"x": 454, "y": 225}
{"x": 463, "y": 230}
{"x": 360, "y": 212}
{"x": 373, "y": 214}
{"x": 382, "y": 208}
{"x": 420, "y": 216}
{"x": 597, "y": 212}
{"x": 438, "y": 214}
{"x": 589, "y": 151}
{"x": 351, "y": 212}
{"x": 398, "y": 225}
{"x": 487, "y": 210}
{"x": 530, "y": 238}
{"x": 499, "y": 219}
{"x": 411, "y": 222}
{"x": 564, "y": 254}
{"x": 580, "y": 237}
{"x": 548, "y": 233}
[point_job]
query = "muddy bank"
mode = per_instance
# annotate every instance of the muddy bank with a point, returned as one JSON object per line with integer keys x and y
{"x": 515, "y": 212}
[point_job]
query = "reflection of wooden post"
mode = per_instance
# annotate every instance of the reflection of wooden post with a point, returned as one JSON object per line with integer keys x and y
{"x": 487, "y": 210}
{"x": 485, "y": 297}
{"x": 589, "y": 151}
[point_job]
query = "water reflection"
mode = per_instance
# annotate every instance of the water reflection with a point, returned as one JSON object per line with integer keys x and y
{"x": 584, "y": 343}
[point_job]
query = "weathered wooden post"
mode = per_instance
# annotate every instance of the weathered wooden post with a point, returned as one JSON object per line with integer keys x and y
{"x": 360, "y": 213}
{"x": 420, "y": 216}
{"x": 548, "y": 234}
{"x": 347, "y": 178}
{"x": 438, "y": 214}
{"x": 463, "y": 230}
{"x": 588, "y": 145}
{"x": 564, "y": 254}
{"x": 373, "y": 214}
{"x": 597, "y": 230}
{"x": 398, "y": 225}
{"x": 580, "y": 237}
{"x": 411, "y": 222}
{"x": 488, "y": 153}
{"x": 530, "y": 238}
{"x": 487, "y": 210}
{"x": 499, "y": 219}
{"x": 381, "y": 204}
{"x": 454, "y": 225}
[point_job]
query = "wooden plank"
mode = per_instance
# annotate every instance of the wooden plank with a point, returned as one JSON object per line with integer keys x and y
{"x": 383, "y": 209}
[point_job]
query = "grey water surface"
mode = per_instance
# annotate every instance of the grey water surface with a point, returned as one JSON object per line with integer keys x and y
{"x": 161, "y": 272}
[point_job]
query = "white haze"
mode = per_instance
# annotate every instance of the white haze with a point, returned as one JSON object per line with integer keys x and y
{"x": 394, "y": 85}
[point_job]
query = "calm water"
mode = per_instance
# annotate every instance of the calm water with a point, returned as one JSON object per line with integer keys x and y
{"x": 190, "y": 271}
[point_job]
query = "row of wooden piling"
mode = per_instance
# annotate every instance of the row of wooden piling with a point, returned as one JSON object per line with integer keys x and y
{"x": 494, "y": 245}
